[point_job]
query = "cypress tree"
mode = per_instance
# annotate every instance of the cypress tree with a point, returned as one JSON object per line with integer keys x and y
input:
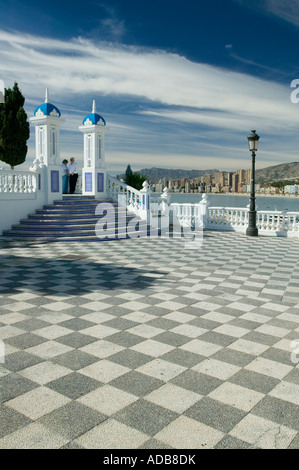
{"x": 14, "y": 128}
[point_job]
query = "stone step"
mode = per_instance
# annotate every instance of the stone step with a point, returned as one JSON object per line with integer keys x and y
{"x": 74, "y": 218}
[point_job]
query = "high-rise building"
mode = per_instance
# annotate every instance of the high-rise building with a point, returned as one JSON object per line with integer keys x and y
{"x": 220, "y": 178}
{"x": 241, "y": 174}
{"x": 229, "y": 179}
{"x": 206, "y": 178}
{"x": 248, "y": 176}
{"x": 235, "y": 182}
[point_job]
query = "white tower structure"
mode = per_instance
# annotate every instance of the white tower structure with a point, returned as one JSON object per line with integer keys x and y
{"x": 94, "y": 171}
{"x": 47, "y": 121}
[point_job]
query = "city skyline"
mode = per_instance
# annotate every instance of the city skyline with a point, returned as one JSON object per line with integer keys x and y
{"x": 179, "y": 87}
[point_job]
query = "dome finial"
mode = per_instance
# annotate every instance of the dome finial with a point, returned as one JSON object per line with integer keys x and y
{"x": 94, "y": 106}
{"x": 47, "y": 96}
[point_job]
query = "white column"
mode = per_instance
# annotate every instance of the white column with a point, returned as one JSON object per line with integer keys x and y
{"x": 94, "y": 169}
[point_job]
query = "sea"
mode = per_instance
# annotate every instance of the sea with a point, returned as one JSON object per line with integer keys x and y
{"x": 263, "y": 203}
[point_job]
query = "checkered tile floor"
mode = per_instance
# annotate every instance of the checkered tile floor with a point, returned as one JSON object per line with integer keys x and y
{"x": 141, "y": 343}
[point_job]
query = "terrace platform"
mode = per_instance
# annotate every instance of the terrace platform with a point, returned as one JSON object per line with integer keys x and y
{"x": 140, "y": 343}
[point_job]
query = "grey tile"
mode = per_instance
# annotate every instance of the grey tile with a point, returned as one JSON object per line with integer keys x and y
{"x": 277, "y": 355}
{"x": 146, "y": 417}
{"x": 11, "y": 420}
{"x": 163, "y": 323}
{"x": 254, "y": 381}
{"x": 217, "y": 338}
{"x": 231, "y": 356}
{"x": 261, "y": 338}
{"x": 72, "y": 446}
{"x": 130, "y": 358}
{"x": 247, "y": 324}
{"x": 204, "y": 323}
{"x": 136, "y": 383}
{"x": 13, "y": 385}
{"x": 292, "y": 377}
{"x": 173, "y": 339}
{"x": 75, "y": 340}
{"x": 72, "y": 420}
{"x": 76, "y": 324}
{"x": 75, "y": 359}
{"x": 25, "y": 340}
{"x": 74, "y": 385}
{"x": 154, "y": 444}
{"x": 196, "y": 382}
{"x": 20, "y": 360}
{"x": 120, "y": 323}
{"x": 295, "y": 443}
{"x": 32, "y": 323}
{"x": 279, "y": 411}
{"x": 125, "y": 339}
{"x": 215, "y": 414}
{"x": 183, "y": 358}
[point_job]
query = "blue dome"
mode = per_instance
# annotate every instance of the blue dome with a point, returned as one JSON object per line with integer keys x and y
{"x": 48, "y": 109}
{"x": 94, "y": 118}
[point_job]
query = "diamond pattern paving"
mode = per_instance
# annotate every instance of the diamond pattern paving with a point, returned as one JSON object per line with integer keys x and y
{"x": 142, "y": 343}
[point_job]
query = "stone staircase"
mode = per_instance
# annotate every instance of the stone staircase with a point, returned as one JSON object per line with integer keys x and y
{"x": 73, "y": 219}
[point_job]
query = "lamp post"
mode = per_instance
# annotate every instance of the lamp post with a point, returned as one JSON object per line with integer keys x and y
{"x": 252, "y": 228}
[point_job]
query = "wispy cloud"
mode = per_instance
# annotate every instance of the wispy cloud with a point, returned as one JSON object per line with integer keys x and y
{"x": 163, "y": 87}
{"x": 288, "y": 10}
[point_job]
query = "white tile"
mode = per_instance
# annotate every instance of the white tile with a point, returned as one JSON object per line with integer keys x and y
{"x": 188, "y": 330}
{"x": 173, "y": 398}
{"x": 248, "y": 347}
{"x": 104, "y": 371}
{"x": 107, "y": 400}
{"x": 112, "y": 434}
{"x": 231, "y": 330}
{"x": 263, "y": 433}
{"x": 44, "y": 372}
{"x": 161, "y": 369}
{"x": 237, "y": 396}
{"x": 286, "y": 391}
{"x": 152, "y": 348}
{"x": 49, "y": 349}
{"x": 201, "y": 347}
{"x": 145, "y": 331}
{"x": 268, "y": 367}
{"x": 53, "y": 332}
{"x": 186, "y": 433}
{"x": 99, "y": 331}
{"x": 37, "y": 402}
{"x": 102, "y": 349}
{"x": 216, "y": 368}
{"x": 33, "y": 436}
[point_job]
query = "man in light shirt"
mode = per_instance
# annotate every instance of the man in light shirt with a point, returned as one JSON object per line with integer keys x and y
{"x": 73, "y": 171}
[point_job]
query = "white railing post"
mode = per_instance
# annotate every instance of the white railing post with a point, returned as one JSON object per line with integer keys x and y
{"x": 145, "y": 202}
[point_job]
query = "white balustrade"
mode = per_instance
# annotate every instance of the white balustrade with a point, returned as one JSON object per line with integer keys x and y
{"x": 133, "y": 197}
{"x": 227, "y": 218}
{"x": 15, "y": 182}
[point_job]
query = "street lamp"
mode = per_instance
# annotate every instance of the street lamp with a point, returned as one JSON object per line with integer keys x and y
{"x": 252, "y": 228}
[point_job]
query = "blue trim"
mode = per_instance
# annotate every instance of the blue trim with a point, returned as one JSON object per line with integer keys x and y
{"x": 47, "y": 108}
{"x": 88, "y": 182}
{"x": 100, "y": 181}
{"x": 94, "y": 118}
{"x": 54, "y": 181}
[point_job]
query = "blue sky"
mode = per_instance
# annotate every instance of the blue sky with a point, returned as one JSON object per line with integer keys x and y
{"x": 179, "y": 83}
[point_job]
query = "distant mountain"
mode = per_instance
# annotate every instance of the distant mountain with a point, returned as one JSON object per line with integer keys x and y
{"x": 285, "y": 171}
{"x": 155, "y": 174}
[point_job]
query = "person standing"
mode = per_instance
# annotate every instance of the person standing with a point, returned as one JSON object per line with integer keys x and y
{"x": 65, "y": 177}
{"x": 73, "y": 171}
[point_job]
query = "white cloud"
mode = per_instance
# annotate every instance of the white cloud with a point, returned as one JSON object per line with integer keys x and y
{"x": 170, "y": 88}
